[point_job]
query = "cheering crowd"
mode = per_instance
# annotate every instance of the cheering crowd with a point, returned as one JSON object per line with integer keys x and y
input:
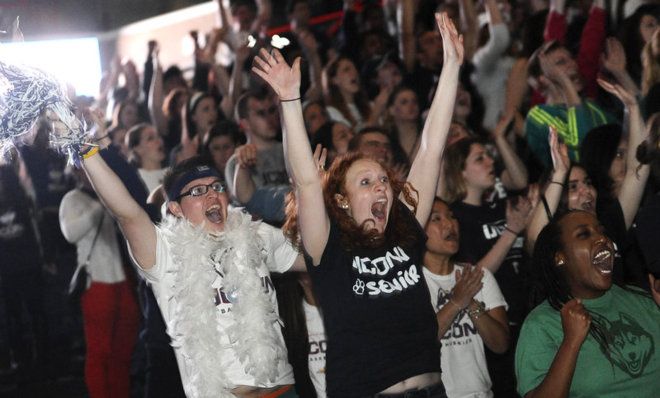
{"x": 425, "y": 199}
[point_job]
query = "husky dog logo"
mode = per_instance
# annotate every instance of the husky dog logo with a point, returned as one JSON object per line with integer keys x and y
{"x": 630, "y": 346}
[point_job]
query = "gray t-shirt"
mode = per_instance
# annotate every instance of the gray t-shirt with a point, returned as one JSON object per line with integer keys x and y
{"x": 271, "y": 181}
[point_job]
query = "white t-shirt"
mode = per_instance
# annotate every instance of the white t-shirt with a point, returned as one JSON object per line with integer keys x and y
{"x": 80, "y": 215}
{"x": 280, "y": 256}
{"x": 317, "y": 347}
{"x": 152, "y": 178}
{"x": 462, "y": 357}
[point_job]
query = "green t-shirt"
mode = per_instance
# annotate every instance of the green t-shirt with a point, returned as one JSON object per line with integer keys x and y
{"x": 571, "y": 123}
{"x": 632, "y": 324}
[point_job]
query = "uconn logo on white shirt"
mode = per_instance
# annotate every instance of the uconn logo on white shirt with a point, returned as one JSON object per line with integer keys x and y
{"x": 381, "y": 267}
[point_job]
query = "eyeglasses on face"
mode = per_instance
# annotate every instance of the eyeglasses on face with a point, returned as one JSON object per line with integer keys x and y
{"x": 199, "y": 190}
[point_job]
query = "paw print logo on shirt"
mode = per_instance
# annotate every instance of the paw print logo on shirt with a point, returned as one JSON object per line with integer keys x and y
{"x": 358, "y": 287}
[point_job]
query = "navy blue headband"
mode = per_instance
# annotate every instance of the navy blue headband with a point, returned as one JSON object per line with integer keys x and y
{"x": 197, "y": 172}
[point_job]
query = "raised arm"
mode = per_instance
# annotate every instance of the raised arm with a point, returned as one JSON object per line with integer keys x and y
{"x": 156, "y": 94}
{"x": 134, "y": 222}
{"x": 469, "y": 26}
{"x": 514, "y": 175}
{"x": 632, "y": 188}
{"x": 313, "y": 221}
{"x": 426, "y": 166}
{"x": 235, "y": 84}
{"x": 552, "y": 194}
{"x": 516, "y": 221}
{"x": 311, "y": 50}
{"x": 614, "y": 60}
{"x": 405, "y": 17}
{"x": 485, "y": 57}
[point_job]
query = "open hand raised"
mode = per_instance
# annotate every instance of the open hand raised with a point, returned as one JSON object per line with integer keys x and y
{"x": 452, "y": 42}
{"x": 282, "y": 78}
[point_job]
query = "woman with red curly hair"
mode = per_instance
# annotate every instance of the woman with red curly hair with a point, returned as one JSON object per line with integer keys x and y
{"x": 364, "y": 246}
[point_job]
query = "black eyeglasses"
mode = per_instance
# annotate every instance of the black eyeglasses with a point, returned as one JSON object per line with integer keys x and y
{"x": 199, "y": 190}
{"x": 265, "y": 112}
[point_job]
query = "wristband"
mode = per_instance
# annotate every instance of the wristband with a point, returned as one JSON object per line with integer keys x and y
{"x": 506, "y": 227}
{"x": 558, "y": 183}
{"x": 88, "y": 153}
{"x": 289, "y": 100}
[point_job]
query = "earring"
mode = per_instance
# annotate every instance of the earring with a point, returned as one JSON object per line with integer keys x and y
{"x": 560, "y": 262}
{"x": 344, "y": 205}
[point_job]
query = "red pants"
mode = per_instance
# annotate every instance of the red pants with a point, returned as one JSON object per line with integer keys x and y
{"x": 111, "y": 322}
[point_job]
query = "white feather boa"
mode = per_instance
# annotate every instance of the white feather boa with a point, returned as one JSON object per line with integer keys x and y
{"x": 200, "y": 262}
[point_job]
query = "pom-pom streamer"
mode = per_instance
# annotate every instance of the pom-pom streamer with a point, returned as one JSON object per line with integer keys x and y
{"x": 27, "y": 93}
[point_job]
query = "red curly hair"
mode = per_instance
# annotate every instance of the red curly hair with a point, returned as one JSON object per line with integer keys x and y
{"x": 353, "y": 235}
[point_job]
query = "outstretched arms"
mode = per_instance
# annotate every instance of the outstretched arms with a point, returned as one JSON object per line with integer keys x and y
{"x": 313, "y": 221}
{"x": 134, "y": 222}
{"x": 632, "y": 187}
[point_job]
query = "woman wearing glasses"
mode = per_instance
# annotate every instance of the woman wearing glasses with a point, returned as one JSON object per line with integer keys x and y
{"x": 210, "y": 272}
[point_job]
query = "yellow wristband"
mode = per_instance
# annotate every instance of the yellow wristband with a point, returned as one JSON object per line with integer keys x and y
{"x": 90, "y": 153}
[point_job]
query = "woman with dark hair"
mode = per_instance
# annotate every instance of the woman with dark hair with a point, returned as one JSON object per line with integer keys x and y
{"x": 588, "y": 337}
{"x": 201, "y": 114}
{"x": 125, "y": 114}
{"x": 364, "y": 246}
{"x": 219, "y": 143}
{"x": 146, "y": 153}
{"x": 315, "y": 116}
{"x": 334, "y": 137}
{"x": 634, "y": 33}
{"x": 491, "y": 238}
{"x": 403, "y": 116}
{"x": 470, "y": 306}
{"x": 621, "y": 180}
{"x": 346, "y": 100}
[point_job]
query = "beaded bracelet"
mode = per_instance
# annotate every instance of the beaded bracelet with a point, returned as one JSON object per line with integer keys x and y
{"x": 479, "y": 311}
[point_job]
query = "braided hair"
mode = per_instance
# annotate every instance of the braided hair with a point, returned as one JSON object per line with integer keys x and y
{"x": 550, "y": 280}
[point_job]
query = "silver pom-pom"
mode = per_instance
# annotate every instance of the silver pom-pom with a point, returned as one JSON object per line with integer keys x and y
{"x": 25, "y": 94}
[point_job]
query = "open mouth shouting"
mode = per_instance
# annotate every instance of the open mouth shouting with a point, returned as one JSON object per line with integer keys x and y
{"x": 450, "y": 236}
{"x": 379, "y": 209}
{"x": 603, "y": 260}
{"x": 214, "y": 214}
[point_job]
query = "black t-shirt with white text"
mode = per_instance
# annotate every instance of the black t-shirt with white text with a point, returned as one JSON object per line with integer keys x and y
{"x": 480, "y": 228}
{"x": 380, "y": 325}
